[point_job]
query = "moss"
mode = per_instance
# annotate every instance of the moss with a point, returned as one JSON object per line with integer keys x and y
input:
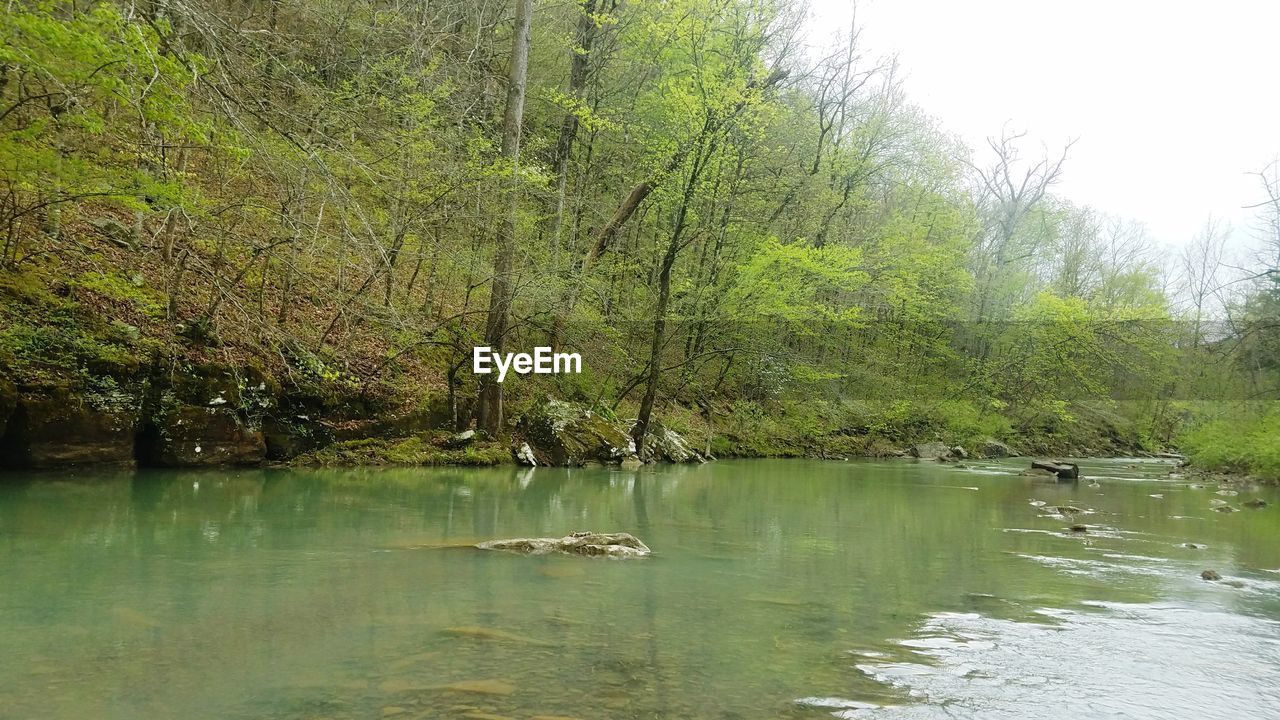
{"x": 426, "y": 449}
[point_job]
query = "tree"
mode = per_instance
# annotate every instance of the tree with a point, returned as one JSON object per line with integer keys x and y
{"x": 489, "y": 415}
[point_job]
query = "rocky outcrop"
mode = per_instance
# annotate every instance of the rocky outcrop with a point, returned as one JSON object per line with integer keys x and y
{"x": 662, "y": 444}
{"x": 56, "y": 432}
{"x": 938, "y": 451}
{"x": 288, "y": 437}
{"x": 191, "y": 436}
{"x": 619, "y": 545}
{"x": 8, "y": 403}
{"x": 566, "y": 434}
{"x": 210, "y": 416}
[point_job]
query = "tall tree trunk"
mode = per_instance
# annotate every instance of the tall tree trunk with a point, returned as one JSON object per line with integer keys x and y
{"x": 580, "y": 54}
{"x": 489, "y": 406}
{"x": 664, "y": 292}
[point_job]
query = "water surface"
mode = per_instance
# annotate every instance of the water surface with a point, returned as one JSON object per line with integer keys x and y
{"x": 777, "y": 589}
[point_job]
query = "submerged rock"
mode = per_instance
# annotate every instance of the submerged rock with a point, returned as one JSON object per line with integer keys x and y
{"x": 1255, "y": 503}
{"x": 1211, "y": 575}
{"x": 621, "y": 545}
{"x": 482, "y": 633}
{"x": 480, "y": 687}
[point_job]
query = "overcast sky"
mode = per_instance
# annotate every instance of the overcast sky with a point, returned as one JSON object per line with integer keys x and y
{"x": 1172, "y": 102}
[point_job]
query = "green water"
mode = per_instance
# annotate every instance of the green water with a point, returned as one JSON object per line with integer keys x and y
{"x": 777, "y": 589}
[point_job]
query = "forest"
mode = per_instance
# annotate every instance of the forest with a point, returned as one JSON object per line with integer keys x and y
{"x": 312, "y": 211}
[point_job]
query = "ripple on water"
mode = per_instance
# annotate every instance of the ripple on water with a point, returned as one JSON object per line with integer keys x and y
{"x": 1173, "y": 658}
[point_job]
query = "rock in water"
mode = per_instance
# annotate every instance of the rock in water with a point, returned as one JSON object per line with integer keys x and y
{"x": 1256, "y": 503}
{"x": 1210, "y": 575}
{"x": 620, "y": 545}
{"x": 1064, "y": 470}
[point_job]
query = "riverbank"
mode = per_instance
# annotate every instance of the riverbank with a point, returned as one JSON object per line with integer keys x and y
{"x": 93, "y": 374}
{"x": 182, "y": 415}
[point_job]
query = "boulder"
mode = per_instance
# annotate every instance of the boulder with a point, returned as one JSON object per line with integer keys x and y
{"x": 1064, "y": 470}
{"x": 1210, "y": 575}
{"x": 620, "y": 545}
{"x": 662, "y": 444}
{"x": 461, "y": 440}
{"x": 959, "y": 453}
{"x": 930, "y": 451}
{"x": 55, "y": 432}
{"x": 991, "y": 448}
{"x": 567, "y": 434}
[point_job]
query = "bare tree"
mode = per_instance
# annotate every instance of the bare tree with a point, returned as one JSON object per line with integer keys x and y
{"x": 1268, "y": 222}
{"x": 1202, "y": 262}
{"x": 1009, "y": 190}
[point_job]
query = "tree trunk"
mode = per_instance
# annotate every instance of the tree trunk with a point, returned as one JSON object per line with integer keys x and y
{"x": 664, "y": 294}
{"x": 489, "y": 406}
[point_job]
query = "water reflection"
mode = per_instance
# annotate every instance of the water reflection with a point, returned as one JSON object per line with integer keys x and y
{"x": 777, "y": 589}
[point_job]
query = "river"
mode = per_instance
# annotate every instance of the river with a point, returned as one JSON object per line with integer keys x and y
{"x": 777, "y": 589}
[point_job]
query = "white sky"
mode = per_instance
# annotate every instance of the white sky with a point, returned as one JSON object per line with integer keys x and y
{"x": 1172, "y": 102}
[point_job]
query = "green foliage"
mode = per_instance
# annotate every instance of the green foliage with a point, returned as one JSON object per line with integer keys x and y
{"x": 89, "y": 100}
{"x": 1241, "y": 442}
{"x": 318, "y": 190}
